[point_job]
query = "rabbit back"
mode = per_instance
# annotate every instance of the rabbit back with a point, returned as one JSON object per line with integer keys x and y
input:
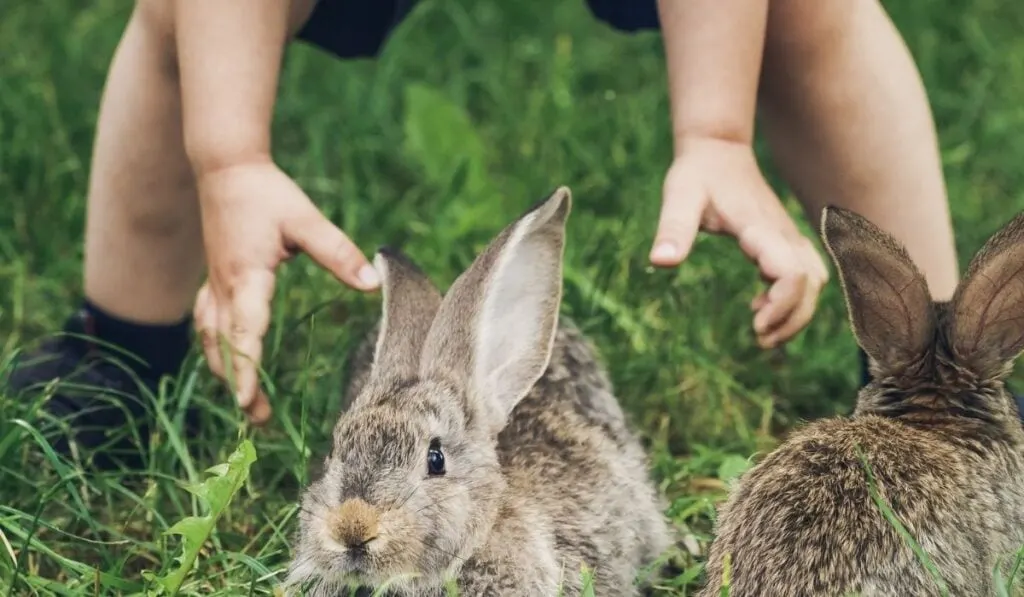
{"x": 803, "y": 521}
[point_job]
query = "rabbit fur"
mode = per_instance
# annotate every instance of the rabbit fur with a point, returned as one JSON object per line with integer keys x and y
{"x": 542, "y": 477}
{"x": 936, "y": 425}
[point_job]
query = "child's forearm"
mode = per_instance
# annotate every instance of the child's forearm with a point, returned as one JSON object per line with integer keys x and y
{"x": 229, "y": 53}
{"x": 713, "y": 51}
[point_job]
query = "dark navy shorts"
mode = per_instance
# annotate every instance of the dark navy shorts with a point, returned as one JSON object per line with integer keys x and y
{"x": 359, "y": 28}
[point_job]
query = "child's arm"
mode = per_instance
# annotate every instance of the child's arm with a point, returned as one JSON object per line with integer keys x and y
{"x": 229, "y": 53}
{"x": 714, "y": 56}
{"x": 713, "y": 51}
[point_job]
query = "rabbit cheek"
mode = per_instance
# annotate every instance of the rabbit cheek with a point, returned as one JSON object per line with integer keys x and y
{"x": 438, "y": 519}
{"x": 397, "y": 550}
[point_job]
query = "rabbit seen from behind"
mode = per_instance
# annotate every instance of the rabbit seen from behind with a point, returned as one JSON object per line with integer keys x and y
{"x": 483, "y": 444}
{"x": 936, "y": 427}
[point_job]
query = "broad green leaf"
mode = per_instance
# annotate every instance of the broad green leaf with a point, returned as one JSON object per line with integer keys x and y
{"x": 215, "y": 493}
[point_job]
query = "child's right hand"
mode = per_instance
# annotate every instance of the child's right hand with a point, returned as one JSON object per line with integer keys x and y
{"x": 717, "y": 186}
{"x": 255, "y": 217}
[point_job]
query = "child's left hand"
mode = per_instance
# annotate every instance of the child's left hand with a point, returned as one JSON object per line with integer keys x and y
{"x": 716, "y": 185}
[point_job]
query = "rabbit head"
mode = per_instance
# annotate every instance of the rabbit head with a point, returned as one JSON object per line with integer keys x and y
{"x": 413, "y": 483}
{"x": 953, "y": 355}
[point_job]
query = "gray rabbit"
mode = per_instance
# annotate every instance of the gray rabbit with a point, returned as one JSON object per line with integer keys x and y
{"x": 483, "y": 442}
{"x": 939, "y": 432}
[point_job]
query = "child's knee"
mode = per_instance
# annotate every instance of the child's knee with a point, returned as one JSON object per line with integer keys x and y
{"x": 168, "y": 212}
{"x": 162, "y": 223}
{"x": 813, "y": 27}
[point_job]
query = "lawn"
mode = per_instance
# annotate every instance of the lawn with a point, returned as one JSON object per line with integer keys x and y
{"x": 475, "y": 110}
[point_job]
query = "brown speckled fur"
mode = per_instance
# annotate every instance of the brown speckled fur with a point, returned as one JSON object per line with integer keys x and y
{"x": 561, "y": 483}
{"x": 940, "y": 432}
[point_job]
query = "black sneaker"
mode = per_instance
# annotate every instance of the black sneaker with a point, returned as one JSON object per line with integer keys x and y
{"x": 98, "y": 406}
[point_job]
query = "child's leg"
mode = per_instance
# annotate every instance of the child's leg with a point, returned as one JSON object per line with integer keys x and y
{"x": 143, "y": 244}
{"x": 143, "y": 240}
{"x": 849, "y": 123}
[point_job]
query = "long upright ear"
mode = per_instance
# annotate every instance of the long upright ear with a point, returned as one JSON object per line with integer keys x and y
{"x": 496, "y": 326}
{"x": 887, "y": 298}
{"x": 410, "y": 304}
{"x": 987, "y": 331}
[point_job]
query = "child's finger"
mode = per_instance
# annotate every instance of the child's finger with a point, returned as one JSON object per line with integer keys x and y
{"x": 791, "y": 265}
{"x": 773, "y": 253}
{"x": 814, "y": 262}
{"x": 682, "y": 208}
{"x": 250, "y": 318}
{"x": 785, "y": 326}
{"x": 260, "y": 411}
{"x": 331, "y": 248}
{"x": 796, "y": 320}
{"x": 205, "y": 315}
{"x": 783, "y": 299}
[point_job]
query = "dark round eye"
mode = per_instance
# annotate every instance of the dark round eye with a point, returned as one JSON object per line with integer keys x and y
{"x": 435, "y": 458}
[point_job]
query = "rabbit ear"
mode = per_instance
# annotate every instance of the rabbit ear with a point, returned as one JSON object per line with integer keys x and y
{"x": 496, "y": 326}
{"x": 987, "y": 328}
{"x": 410, "y": 304}
{"x": 887, "y": 298}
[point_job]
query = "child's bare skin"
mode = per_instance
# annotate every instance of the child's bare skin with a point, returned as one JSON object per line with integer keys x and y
{"x": 848, "y": 122}
{"x": 182, "y": 168}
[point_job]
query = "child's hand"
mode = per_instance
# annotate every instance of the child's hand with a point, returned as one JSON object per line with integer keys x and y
{"x": 255, "y": 217}
{"x": 716, "y": 185}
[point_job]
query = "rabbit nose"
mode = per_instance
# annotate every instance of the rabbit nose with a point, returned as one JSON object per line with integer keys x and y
{"x": 354, "y": 523}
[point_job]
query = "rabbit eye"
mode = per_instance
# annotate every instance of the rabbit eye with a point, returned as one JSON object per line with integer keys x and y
{"x": 435, "y": 458}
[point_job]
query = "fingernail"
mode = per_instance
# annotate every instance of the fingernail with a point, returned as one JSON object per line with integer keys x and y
{"x": 368, "y": 276}
{"x": 665, "y": 251}
{"x": 760, "y": 322}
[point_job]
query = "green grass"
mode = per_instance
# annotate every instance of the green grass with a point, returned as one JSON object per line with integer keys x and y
{"x": 532, "y": 94}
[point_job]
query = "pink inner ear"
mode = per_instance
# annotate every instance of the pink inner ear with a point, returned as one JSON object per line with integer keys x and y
{"x": 516, "y": 323}
{"x": 494, "y": 329}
